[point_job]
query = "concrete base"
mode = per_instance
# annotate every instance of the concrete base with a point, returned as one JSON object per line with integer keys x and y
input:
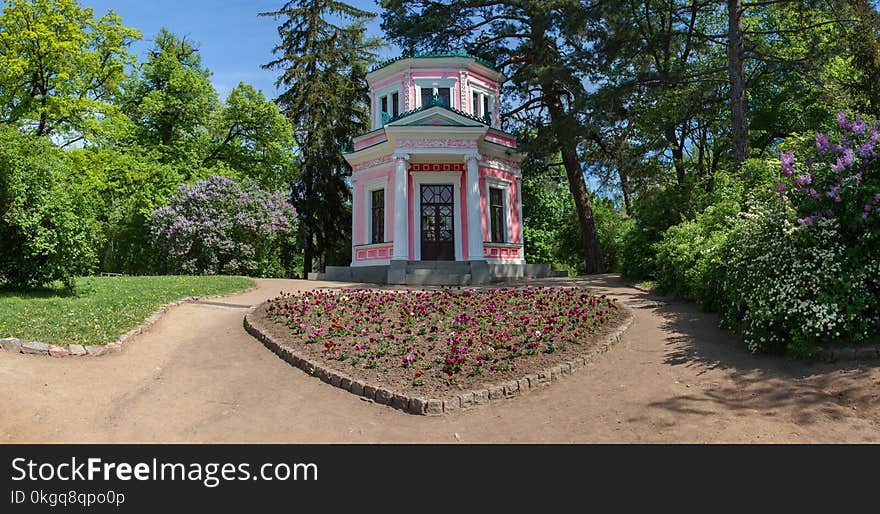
{"x": 366, "y": 274}
{"x": 437, "y": 273}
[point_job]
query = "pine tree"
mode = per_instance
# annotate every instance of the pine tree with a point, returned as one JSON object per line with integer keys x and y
{"x": 323, "y": 66}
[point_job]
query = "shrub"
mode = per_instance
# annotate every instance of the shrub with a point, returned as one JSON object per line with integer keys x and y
{"x": 219, "y": 226}
{"x": 790, "y": 287}
{"x": 688, "y": 260}
{"x": 653, "y": 213}
{"x": 131, "y": 184}
{"x": 46, "y": 229}
{"x": 840, "y": 180}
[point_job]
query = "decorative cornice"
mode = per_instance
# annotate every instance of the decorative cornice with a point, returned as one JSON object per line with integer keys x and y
{"x": 371, "y": 164}
{"x": 502, "y": 163}
{"x": 429, "y": 55}
{"x": 435, "y": 143}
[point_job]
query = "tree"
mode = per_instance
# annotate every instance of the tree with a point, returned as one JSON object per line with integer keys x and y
{"x": 170, "y": 100}
{"x": 46, "y": 229}
{"x": 60, "y": 67}
{"x": 323, "y": 69}
{"x": 540, "y": 47}
{"x": 864, "y": 41}
{"x": 250, "y": 135}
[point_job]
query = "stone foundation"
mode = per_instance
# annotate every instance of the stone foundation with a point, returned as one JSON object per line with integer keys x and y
{"x": 438, "y": 273}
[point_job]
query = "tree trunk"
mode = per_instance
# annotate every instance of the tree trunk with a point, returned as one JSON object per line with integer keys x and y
{"x": 736, "y": 70}
{"x": 309, "y": 223}
{"x": 576, "y": 183}
{"x": 624, "y": 188}
{"x": 308, "y": 247}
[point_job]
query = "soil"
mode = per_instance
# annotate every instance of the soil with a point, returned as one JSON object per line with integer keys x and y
{"x": 425, "y": 377}
{"x": 675, "y": 377}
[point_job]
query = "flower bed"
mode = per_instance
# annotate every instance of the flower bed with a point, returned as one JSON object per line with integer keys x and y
{"x": 433, "y": 342}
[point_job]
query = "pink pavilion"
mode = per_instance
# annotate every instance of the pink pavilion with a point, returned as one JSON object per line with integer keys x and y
{"x": 436, "y": 183}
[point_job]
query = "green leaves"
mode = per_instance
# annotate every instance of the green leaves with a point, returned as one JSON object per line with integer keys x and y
{"x": 323, "y": 67}
{"x": 60, "y": 66}
{"x": 47, "y": 231}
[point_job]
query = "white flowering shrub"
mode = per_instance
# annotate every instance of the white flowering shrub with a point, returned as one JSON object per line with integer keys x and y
{"x": 796, "y": 287}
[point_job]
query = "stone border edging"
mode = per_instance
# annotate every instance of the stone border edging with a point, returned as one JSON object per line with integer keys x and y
{"x": 432, "y": 406}
{"x": 852, "y": 353}
{"x": 16, "y": 345}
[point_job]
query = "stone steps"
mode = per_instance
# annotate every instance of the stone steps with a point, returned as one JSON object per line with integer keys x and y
{"x": 436, "y": 277}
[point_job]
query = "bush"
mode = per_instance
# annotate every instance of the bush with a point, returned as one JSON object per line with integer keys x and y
{"x": 653, "y": 213}
{"x": 46, "y": 229}
{"x": 790, "y": 287}
{"x": 131, "y": 184}
{"x": 219, "y": 226}
{"x": 688, "y": 260}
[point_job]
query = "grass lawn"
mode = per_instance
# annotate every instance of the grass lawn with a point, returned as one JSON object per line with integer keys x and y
{"x": 100, "y": 309}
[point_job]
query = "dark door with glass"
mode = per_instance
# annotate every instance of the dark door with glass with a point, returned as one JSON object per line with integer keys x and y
{"x": 438, "y": 223}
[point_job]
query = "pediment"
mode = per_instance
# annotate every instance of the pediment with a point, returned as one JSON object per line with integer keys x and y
{"x": 438, "y": 120}
{"x": 436, "y": 116}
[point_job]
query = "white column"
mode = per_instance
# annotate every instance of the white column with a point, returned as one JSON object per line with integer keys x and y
{"x": 401, "y": 209}
{"x": 354, "y": 213}
{"x": 474, "y": 212}
{"x": 519, "y": 204}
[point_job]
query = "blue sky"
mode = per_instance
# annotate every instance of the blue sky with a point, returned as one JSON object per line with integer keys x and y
{"x": 234, "y": 41}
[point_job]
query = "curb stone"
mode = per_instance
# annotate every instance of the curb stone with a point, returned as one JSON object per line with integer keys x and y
{"x": 867, "y": 352}
{"x": 15, "y": 345}
{"x": 433, "y": 406}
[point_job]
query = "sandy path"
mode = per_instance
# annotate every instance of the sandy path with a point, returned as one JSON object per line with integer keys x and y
{"x": 197, "y": 376}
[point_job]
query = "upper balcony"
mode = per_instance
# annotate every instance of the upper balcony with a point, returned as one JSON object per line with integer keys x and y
{"x": 460, "y": 81}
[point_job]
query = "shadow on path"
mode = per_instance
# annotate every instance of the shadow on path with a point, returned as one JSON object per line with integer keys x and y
{"x": 726, "y": 375}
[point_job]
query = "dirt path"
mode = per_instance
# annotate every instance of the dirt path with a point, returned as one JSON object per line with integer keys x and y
{"x": 196, "y": 376}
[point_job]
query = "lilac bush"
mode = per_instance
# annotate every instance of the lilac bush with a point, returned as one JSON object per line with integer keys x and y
{"x": 840, "y": 180}
{"x": 804, "y": 272}
{"x": 219, "y": 226}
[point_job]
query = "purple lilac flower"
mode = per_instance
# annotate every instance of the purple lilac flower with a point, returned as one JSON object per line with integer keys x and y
{"x": 823, "y": 142}
{"x": 787, "y": 159}
{"x": 803, "y": 180}
{"x": 858, "y": 126}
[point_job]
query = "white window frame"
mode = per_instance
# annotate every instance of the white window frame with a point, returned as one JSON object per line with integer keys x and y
{"x": 504, "y": 185}
{"x": 421, "y": 178}
{"x": 369, "y": 187}
{"x": 388, "y": 92}
{"x": 438, "y": 83}
{"x": 483, "y": 91}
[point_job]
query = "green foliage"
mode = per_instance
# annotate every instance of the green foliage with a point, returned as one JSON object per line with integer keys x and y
{"x": 97, "y": 310}
{"x": 795, "y": 288}
{"x": 688, "y": 259}
{"x": 323, "y": 65}
{"x": 59, "y": 67}
{"x": 45, "y": 221}
{"x": 551, "y": 231}
{"x": 130, "y": 183}
{"x": 252, "y": 137}
{"x": 170, "y": 100}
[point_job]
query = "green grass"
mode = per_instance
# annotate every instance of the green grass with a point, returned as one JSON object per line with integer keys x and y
{"x": 100, "y": 309}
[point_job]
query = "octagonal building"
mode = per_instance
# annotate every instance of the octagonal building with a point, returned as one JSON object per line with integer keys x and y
{"x": 436, "y": 183}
